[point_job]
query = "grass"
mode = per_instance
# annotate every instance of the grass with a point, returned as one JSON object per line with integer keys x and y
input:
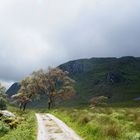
{"x": 100, "y": 123}
{"x": 26, "y": 129}
{"x": 103, "y": 123}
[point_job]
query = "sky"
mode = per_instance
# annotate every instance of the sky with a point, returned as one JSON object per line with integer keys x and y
{"x": 36, "y": 34}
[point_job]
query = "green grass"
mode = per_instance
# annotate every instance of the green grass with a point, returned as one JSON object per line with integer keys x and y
{"x": 26, "y": 130}
{"x": 100, "y": 123}
{"x": 103, "y": 123}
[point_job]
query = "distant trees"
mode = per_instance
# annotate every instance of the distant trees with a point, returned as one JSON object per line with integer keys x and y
{"x": 54, "y": 83}
{"x": 2, "y": 97}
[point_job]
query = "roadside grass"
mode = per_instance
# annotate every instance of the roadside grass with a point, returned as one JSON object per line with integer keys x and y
{"x": 102, "y": 123}
{"x": 26, "y": 129}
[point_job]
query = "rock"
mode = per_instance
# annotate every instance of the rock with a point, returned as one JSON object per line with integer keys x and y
{"x": 76, "y": 67}
{"x": 7, "y": 113}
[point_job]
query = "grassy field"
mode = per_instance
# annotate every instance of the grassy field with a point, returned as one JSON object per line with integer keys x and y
{"x": 100, "y": 123}
{"x": 103, "y": 123}
{"x": 26, "y": 129}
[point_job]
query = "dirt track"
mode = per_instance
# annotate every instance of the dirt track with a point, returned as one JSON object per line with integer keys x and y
{"x": 51, "y": 128}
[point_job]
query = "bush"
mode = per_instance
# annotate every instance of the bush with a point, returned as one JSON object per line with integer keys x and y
{"x": 98, "y": 101}
{"x": 2, "y": 103}
{"x": 3, "y": 128}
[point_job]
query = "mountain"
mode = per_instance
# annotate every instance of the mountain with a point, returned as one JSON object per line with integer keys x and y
{"x": 13, "y": 89}
{"x": 116, "y": 78}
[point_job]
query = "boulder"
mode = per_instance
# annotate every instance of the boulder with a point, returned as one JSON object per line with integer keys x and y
{"x": 7, "y": 113}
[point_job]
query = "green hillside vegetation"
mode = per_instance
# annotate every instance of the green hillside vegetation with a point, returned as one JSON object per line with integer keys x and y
{"x": 118, "y": 79}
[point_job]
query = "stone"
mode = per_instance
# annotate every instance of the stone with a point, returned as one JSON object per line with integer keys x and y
{"x": 7, "y": 113}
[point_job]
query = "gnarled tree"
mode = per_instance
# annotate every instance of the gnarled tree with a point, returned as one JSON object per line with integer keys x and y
{"x": 55, "y": 84}
{"x": 26, "y": 92}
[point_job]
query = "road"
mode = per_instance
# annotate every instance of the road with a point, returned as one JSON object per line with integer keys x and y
{"x": 51, "y": 128}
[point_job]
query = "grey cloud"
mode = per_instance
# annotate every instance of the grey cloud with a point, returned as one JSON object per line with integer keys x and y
{"x": 42, "y": 33}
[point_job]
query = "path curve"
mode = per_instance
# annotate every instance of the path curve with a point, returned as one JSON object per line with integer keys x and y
{"x": 51, "y": 128}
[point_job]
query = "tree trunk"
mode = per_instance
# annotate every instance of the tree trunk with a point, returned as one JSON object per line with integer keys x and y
{"x": 24, "y": 106}
{"x": 20, "y": 105}
{"x": 49, "y": 105}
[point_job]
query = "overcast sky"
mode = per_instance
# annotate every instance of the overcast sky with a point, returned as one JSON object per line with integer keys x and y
{"x": 36, "y": 34}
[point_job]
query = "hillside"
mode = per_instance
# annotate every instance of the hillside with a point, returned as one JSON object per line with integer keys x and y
{"x": 117, "y": 78}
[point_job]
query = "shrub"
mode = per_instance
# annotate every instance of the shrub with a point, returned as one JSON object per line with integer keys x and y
{"x": 98, "y": 101}
{"x": 3, "y": 128}
{"x": 13, "y": 124}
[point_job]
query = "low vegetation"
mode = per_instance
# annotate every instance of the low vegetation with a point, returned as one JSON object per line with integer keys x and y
{"x": 23, "y": 127}
{"x": 103, "y": 123}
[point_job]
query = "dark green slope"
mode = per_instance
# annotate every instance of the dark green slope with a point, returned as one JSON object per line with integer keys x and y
{"x": 117, "y": 78}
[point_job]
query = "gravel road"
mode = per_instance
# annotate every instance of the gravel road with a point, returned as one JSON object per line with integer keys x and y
{"x": 51, "y": 128}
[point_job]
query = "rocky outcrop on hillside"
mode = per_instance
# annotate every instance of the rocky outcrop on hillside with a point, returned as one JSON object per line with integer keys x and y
{"x": 76, "y": 67}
